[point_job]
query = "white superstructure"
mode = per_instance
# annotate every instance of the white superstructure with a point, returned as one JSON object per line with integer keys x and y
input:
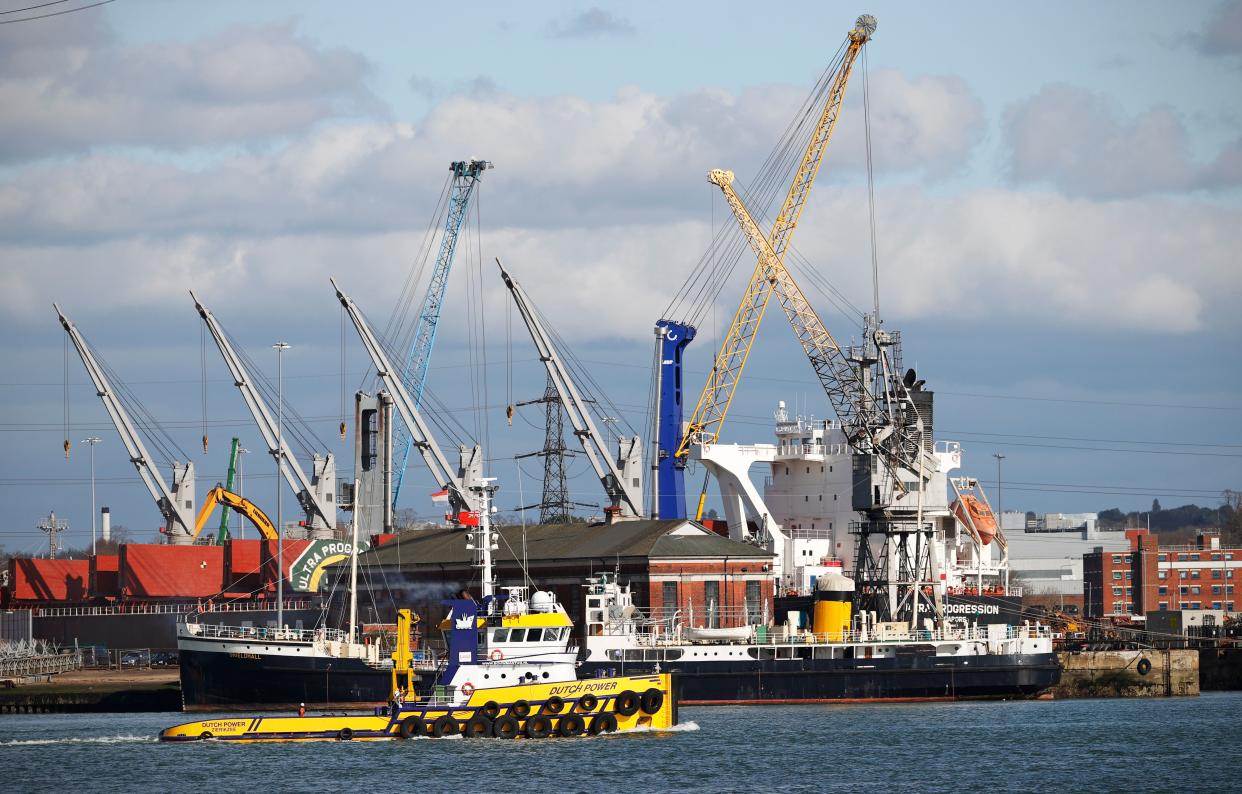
{"x": 808, "y": 496}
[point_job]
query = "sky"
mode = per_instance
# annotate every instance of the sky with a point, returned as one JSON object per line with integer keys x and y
{"x": 1057, "y": 214}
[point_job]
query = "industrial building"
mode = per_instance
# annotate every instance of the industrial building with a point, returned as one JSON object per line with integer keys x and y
{"x": 669, "y": 565}
{"x": 1051, "y": 563}
{"x": 1149, "y": 577}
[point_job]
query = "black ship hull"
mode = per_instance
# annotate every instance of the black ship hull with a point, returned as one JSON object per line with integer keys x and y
{"x": 773, "y": 681}
{"x": 219, "y": 679}
{"x": 212, "y": 680}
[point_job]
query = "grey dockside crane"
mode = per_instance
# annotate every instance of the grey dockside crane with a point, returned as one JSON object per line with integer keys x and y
{"x": 176, "y": 504}
{"x": 316, "y": 494}
{"x": 623, "y": 486}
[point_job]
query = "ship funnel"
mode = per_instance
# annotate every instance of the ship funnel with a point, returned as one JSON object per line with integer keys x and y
{"x": 105, "y": 524}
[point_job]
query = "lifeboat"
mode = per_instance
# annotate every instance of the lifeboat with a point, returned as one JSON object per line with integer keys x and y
{"x": 974, "y": 513}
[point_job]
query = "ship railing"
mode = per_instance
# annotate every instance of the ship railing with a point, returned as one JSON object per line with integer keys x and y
{"x": 422, "y": 660}
{"x": 778, "y": 636}
{"x": 266, "y": 633}
{"x": 165, "y": 609}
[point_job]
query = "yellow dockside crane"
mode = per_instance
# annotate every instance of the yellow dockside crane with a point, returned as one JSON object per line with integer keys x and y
{"x": 770, "y": 274}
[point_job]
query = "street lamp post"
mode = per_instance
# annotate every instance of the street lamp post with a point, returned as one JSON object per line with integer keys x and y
{"x": 1000, "y": 511}
{"x": 280, "y": 348}
{"x": 93, "y": 440}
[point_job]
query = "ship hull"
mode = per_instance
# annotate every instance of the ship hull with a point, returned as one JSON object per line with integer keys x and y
{"x": 232, "y": 676}
{"x": 774, "y": 681}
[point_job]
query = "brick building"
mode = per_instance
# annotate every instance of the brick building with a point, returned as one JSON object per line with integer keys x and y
{"x": 669, "y": 565}
{"x": 1154, "y": 578}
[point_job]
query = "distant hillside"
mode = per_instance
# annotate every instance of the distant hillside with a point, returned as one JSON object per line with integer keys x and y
{"x": 1184, "y": 520}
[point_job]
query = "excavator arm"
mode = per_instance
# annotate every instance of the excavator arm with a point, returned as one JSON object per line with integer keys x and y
{"x": 252, "y": 512}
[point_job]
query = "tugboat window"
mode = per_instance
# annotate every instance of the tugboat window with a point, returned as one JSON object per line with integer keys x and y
{"x": 500, "y": 635}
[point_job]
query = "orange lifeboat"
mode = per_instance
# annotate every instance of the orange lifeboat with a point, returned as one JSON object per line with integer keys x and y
{"x": 974, "y": 513}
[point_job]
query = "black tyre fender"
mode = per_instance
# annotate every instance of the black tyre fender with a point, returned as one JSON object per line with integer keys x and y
{"x": 1143, "y": 666}
{"x": 520, "y": 709}
{"x": 490, "y": 709}
{"x": 554, "y": 705}
{"x": 444, "y": 726}
{"x": 478, "y": 726}
{"x": 344, "y": 734}
{"x": 651, "y": 701}
{"x": 506, "y": 727}
{"x": 571, "y": 725}
{"x": 627, "y": 703}
{"x": 602, "y": 723}
{"x": 206, "y": 735}
{"x": 412, "y": 726}
{"x": 588, "y": 702}
{"x": 538, "y": 727}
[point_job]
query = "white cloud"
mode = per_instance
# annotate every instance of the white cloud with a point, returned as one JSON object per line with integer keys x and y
{"x": 1079, "y": 142}
{"x": 637, "y": 157}
{"x": 75, "y": 88}
{"x": 603, "y": 206}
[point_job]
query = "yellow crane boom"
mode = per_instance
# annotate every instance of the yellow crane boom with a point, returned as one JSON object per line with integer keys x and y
{"x": 713, "y": 405}
{"x": 221, "y": 495}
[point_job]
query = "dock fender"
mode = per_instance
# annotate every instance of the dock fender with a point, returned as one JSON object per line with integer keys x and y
{"x": 1143, "y": 666}
{"x": 345, "y": 734}
{"x": 627, "y": 703}
{"x": 602, "y": 723}
{"x": 444, "y": 726}
{"x": 520, "y": 709}
{"x": 538, "y": 726}
{"x": 412, "y": 726}
{"x": 554, "y": 704}
{"x": 588, "y": 702}
{"x": 490, "y": 709}
{"x": 477, "y": 726}
{"x": 506, "y": 727}
{"x": 652, "y": 700}
{"x": 571, "y": 725}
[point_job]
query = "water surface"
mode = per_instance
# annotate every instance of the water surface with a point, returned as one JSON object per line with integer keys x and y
{"x": 1094, "y": 745}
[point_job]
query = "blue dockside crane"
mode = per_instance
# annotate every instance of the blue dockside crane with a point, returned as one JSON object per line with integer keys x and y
{"x": 670, "y": 469}
{"x": 466, "y": 174}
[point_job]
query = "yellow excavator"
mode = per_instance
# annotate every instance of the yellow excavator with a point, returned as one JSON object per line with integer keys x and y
{"x": 221, "y": 495}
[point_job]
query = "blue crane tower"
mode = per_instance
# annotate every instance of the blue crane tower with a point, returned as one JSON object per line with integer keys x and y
{"x": 670, "y": 481}
{"x": 465, "y": 174}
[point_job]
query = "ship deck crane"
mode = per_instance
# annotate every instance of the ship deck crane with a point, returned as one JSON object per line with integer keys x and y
{"x": 315, "y": 494}
{"x": 623, "y": 486}
{"x": 175, "y": 503}
{"x": 709, "y": 414}
{"x": 466, "y": 174}
{"x": 461, "y": 483}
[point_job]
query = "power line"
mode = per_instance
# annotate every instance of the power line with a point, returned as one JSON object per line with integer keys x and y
{"x": 32, "y": 8}
{"x": 54, "y": 13}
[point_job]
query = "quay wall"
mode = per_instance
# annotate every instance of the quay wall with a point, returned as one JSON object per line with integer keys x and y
{"x": 1136, "y": 673}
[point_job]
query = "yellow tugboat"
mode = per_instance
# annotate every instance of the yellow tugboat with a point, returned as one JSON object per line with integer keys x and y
{"x": 509, "y": 671}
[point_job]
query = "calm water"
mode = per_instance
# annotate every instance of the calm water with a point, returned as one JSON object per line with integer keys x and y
{"x": 1078, "y": 745}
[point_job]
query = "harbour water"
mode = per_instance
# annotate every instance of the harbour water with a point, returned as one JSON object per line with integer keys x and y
{"x": 1096, "y": 745}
